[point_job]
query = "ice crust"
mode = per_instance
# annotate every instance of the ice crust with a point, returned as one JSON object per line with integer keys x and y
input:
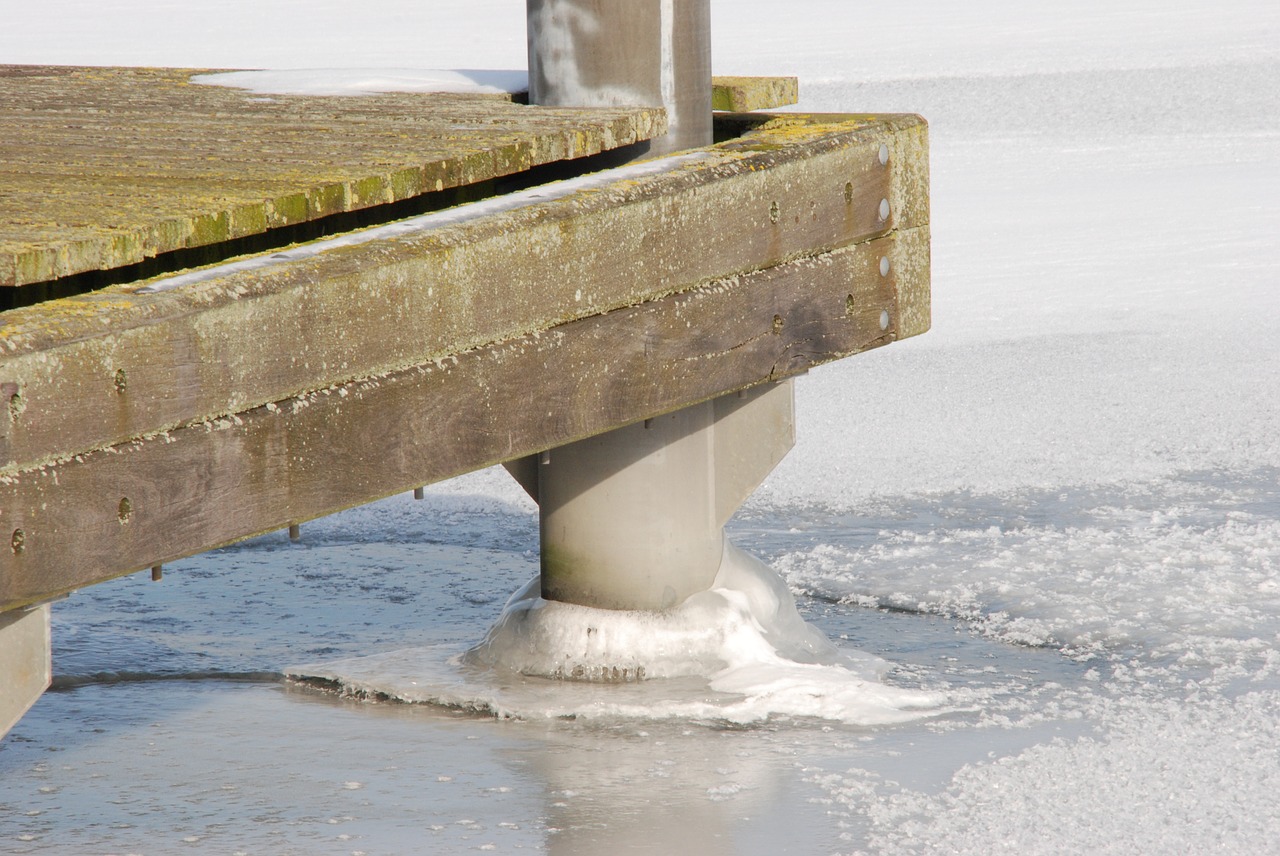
{"x": 739, "y": 652}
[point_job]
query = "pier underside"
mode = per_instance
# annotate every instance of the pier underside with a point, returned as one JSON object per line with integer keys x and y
{"x": 389, "y": 293}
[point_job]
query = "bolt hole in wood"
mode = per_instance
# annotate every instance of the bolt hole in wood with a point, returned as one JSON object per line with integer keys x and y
{"x": 777, "y": 325}
{"x": 848, "y": 193}
{"x": 14, "y": 401}
{"x": 850, "y": 306}
{"x": 773, "y": 212}
{"x": 125, "y": 510}
{"x": 18, "y": 542}
{"x": 121, "y": 381}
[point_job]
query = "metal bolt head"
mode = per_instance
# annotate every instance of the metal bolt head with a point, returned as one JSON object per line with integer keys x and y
{"x": 884, "y": 265}
{"x": 884, "y": 154}
{"x": 884, "y": 209}
{"x": 884, "y": 319}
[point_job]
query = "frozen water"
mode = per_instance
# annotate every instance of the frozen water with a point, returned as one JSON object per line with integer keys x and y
{"x": 1058, "y": 509}
{"x": 739, "y": 653}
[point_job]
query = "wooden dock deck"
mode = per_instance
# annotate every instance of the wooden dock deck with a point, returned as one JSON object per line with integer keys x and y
{"x": 182, "y": 409}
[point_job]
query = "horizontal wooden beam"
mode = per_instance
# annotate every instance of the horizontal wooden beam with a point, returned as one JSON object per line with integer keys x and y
{"x": 745, "y": 94}
{"x": 158, "y": 498}
{"x": 96, "y": 371}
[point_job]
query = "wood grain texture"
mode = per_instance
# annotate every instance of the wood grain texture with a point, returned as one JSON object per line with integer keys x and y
{"x": 105, "y": 167}
{"x": 83, "y": 373}
{"x": 158, "y": 498}
{"x": 745, "y": 94}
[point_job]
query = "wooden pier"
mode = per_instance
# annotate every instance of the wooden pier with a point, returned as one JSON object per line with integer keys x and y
{"x": 233, "y": 313}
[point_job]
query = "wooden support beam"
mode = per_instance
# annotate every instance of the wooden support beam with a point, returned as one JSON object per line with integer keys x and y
{"x": 745, "y": 94}
{"x": 158, "y": 498}
{"x": 80, "y": 374}
{"x": 143, "y": 423}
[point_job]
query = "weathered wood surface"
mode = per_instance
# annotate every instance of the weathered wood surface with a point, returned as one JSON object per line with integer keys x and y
{"x": 142, "y": 426}
{"x": 155, "y": 500}
{"x": 746, "y": 94}
{"x": 105, "y": 167}
{"x": 87, "y": 372}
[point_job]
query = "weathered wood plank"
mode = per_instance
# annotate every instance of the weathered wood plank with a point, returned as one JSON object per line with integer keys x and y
{"x": 156, "y": 499}
{"x": 194, "y": 165}
{"x": 93, "y": 371}
{"x": 745, "y": 94}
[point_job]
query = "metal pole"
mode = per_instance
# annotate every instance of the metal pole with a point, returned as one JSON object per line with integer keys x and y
{"x": 633, "y": 518}
{"x": 626, "y": 53}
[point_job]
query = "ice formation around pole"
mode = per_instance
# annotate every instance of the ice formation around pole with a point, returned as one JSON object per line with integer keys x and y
{"x": 739, "y": 652}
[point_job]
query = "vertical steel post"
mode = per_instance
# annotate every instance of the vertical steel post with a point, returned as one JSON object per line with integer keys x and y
{"x": 633, "y": 518}
{"x": 626, "y": 53}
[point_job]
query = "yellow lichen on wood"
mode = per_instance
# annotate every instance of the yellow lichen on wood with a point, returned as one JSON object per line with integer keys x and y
{"x": 106, "y": 167}
{"x": 745, "y": 94}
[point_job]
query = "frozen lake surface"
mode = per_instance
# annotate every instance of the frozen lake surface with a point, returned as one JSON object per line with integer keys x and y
{"x": 1058, "y": 511}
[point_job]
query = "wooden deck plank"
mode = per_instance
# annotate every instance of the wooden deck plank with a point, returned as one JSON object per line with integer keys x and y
{"x": 94, "y": 371}
{"x": 747, "y": 94}
{"x": 158, "y": 498}
{"x": 335, "y": 153}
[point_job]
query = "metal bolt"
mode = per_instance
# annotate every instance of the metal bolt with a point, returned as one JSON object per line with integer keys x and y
{"x": 884, "y": 154}
{"x": 884, "y": 265}
{"x": 884, "y": 319}
{"x": 884, "y": 209}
